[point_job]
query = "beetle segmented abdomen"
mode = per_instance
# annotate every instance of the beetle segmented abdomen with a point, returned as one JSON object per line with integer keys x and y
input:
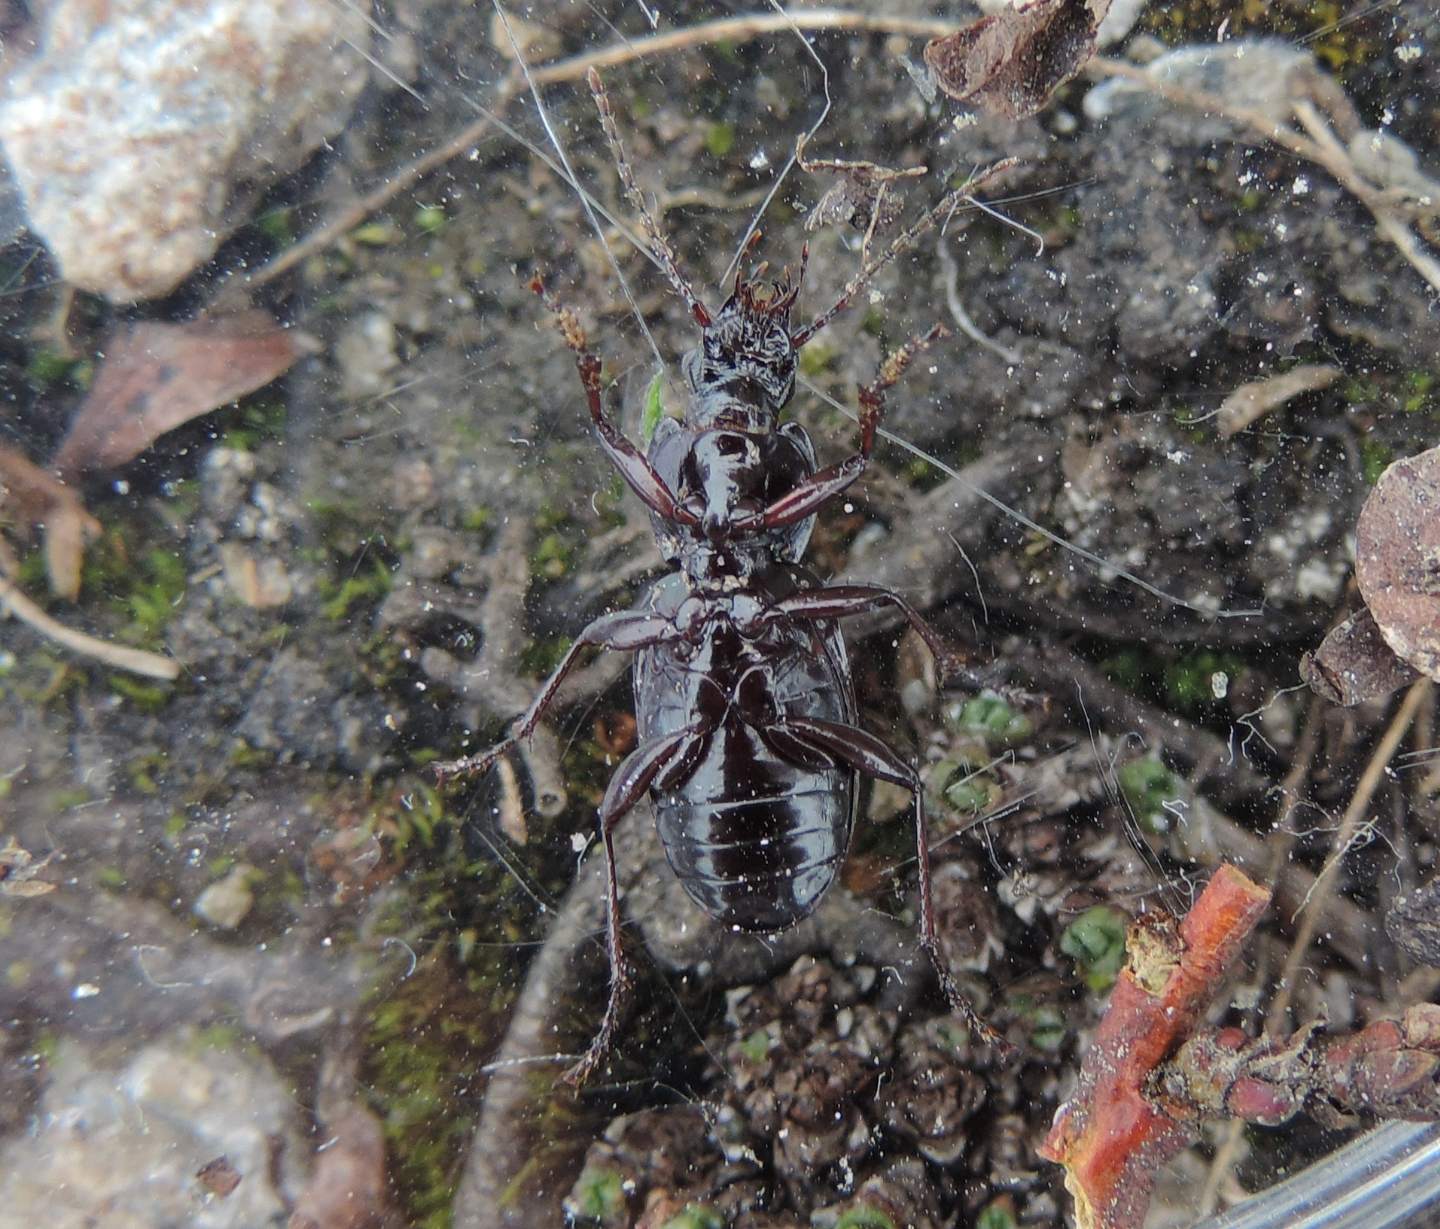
{"x": 760, "y": 864}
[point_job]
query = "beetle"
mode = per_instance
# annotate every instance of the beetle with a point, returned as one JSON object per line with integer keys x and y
{"x": 749, "y": 745}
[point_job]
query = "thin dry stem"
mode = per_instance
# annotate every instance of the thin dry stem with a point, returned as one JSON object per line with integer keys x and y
{"x": 1310, "y": 910}
{"x": 136, "y": 661}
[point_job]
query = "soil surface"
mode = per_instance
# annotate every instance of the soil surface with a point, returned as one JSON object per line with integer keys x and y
{"x": 268, "y": 923}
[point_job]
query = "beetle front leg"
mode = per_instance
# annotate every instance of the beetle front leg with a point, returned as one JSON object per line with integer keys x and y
{"x": 625, "y": 632}
{"x": 806, "y": 497}
{"x": 633, "y": 465}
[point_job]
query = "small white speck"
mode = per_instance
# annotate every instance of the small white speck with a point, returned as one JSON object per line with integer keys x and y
{"x": 1301, "y": 186}
{"x": 85, "y": 990}
{"x": 578, "y": 841}
{"x": 122, "y": 487}
{"x": 760, "y": 161}
{"x": 1407, "y": 53}
{"x": 1219, "y": 684}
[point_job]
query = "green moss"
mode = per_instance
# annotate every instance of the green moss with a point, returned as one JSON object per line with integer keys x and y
{"x": 362, "y": 587}
{"x": 1375, "y": 458}
{"x": 864, "y": 1218}
{"x": 719, "y": 140}
{"x": 375, "y": 234}
{"x": 539, "y": 657}
{"x": 998, "y": 1214}
{"x": 1189, "y": 681}
{"x": 68, "y": 799}
{"x": 255, "y": 422}
{"x": 431, "y": 219}
{"x": 49, "y": 369}
{"x": 111, "y": 877}
{"x": 277, "y": 225}
{"x": 816, "y": 357}
{"x": 757, "y": 1044}
{"x": 477, "y": 520}
{"x": 600, "y": 1195}
{"x": 142, "y": 769}
{"x": 1096, "y": 942}
{"x": 695, "y": 1217}
{"x": 148, "y": 697}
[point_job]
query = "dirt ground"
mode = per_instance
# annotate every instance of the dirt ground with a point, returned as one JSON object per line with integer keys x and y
{"x": 270, "y": 930}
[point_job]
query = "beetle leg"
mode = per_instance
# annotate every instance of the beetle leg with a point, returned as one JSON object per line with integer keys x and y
{"x": 806, "y": 497}
{"x": 630, "y": 781}
{"x": 633, "y": 465}
{"x": 867, "y": 754}
{"x": 623, "y": 631}
{"x": 842, "y": 601}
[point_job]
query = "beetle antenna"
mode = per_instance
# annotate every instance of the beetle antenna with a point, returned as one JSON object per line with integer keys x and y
{"x": 660, "y": 246}
{"x": 903, "y": 243}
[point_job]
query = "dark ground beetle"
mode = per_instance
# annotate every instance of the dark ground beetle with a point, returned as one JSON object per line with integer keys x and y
{"x": 748, "y": 742}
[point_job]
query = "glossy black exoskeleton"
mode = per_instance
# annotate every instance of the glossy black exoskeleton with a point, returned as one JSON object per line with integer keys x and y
{"x": 748, "y": 741}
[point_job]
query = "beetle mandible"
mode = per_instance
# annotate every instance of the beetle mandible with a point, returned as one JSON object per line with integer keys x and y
{"x": 748, "y": 740}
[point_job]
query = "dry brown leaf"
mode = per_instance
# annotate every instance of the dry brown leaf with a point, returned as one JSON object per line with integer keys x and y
{"x": 18, "y": 869}
{"x": 155, "y": 377}
{"x": 35, "y": 497}
{"x": 1251, "y": 401}
{"x": 1397, "y": 559}
{"x": 1010, "y": 62}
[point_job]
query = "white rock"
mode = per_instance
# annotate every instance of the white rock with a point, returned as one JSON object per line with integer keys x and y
{"x": 141, "y": 130}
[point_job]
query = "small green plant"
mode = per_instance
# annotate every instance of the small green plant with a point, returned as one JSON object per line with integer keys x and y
{"x": 600, "y": 1195}
{"x": 991, "y": 719}
{"x": 1096, "y": 942}
{"x": 1147, "y": 786}
{"x": 719, "y": 139}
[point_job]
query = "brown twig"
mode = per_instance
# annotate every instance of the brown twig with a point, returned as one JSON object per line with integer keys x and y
{"x": 1108, "y": 1135}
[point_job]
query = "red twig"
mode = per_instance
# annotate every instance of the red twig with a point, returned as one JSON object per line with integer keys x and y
{"x": 1110, "y": 1137}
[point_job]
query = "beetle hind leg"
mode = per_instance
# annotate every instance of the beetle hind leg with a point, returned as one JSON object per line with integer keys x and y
{"x": 867, "y": 754}
{"x": 663, "y": 757}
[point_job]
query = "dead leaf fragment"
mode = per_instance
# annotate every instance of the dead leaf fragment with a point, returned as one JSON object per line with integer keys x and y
{"x": 219, "y": 1177}
{"x": 1354, "y": 664}
{"x": 1397, "y": 559}
{"x": 34, "y": 497}
{"x": 18, "y": 869}
{"x": 1009, "y": 63}
{"x": 153, "y": 378}
{"x": 1252, "y": 401}
{"x": 860, "y": 196}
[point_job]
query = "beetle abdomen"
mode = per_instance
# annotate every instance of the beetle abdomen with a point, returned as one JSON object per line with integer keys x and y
{"x": 760, "y": 864}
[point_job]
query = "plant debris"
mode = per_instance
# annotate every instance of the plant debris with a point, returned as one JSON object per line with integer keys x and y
{"x": 36, "y": 497}
{"x": 1252, "y": 401}
{"x": 1390, "y": 1069}
{"x": 1111, "y": 1138}
{"x": 1010, "y": 62}
{"x": 155, "y": 377}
